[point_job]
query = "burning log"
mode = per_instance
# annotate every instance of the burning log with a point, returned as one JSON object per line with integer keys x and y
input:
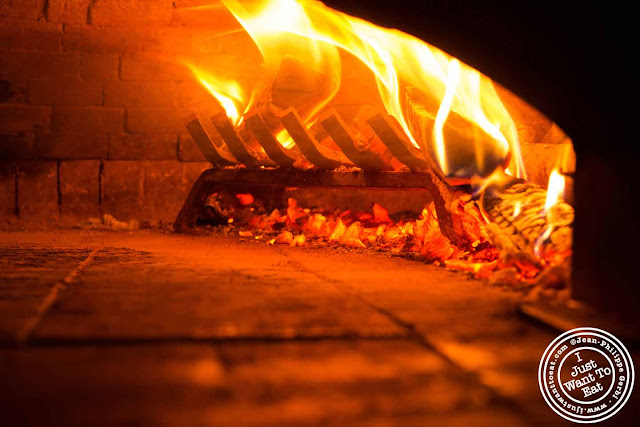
{"x": 337, "y": 129}
{"x": 312, "y": 150}
{"x": 523, "y": 229}
{"x": 276, "y": 152}
{"x": 402, "y": 149}
{"x": 298, "y": 84}
{"x": 204, "y": 143}
{"x": 240, "y": 151}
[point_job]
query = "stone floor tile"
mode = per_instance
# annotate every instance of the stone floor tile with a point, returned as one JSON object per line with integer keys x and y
{"x": 164, "y": 329}
{"x": 27, "y": 275}
{"x": 109, "y": 385}
{"x": 132, "y": 294}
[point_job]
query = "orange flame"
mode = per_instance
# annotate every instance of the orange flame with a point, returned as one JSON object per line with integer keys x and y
{"x": 312, "y": 33}
{"x": 555, "y": 189}
{"x": 443, "y": 113}
{"x": 555, "y": 194}
{"x": 231, "y": 96}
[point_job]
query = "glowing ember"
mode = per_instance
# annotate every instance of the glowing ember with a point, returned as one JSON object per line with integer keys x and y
{"x": 419, "y": 238}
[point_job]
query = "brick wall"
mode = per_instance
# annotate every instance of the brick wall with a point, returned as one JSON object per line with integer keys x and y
{"x": 93, "y": 95}
{"x": 90, "y": 117}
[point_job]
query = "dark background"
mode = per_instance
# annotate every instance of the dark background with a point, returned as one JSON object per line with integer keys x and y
{"x": 575, "y": 62}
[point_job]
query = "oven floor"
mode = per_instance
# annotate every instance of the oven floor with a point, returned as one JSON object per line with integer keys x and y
{"x": 144, "y": 328}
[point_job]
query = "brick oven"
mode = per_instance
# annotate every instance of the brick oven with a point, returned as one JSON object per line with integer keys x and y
{"x": 223, "y": 212}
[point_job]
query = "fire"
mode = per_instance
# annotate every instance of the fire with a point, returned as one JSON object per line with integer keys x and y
{"x": 555, "y": 190}
{"x": 312, "y": 34}
{"x": 448, "y": 110}
{"x": 231, "y": 96}
{"x": 517, "y": 209}
{"x": 443, "y": 113}
{"x": 555, "y": 194}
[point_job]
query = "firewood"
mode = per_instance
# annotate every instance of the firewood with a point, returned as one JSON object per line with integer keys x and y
{"x": 521, "y": 227}
{"x": 464, "y": 139}
{"x": 296, "y": 84}
{"x": 320, "y": 156}
{"x": 204, "y": 143}
{"x": 276, "y": 152}
{"x": 240, "y": 151}
{"x": 299, "y": 85}
{"x": 337, "y": 129}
